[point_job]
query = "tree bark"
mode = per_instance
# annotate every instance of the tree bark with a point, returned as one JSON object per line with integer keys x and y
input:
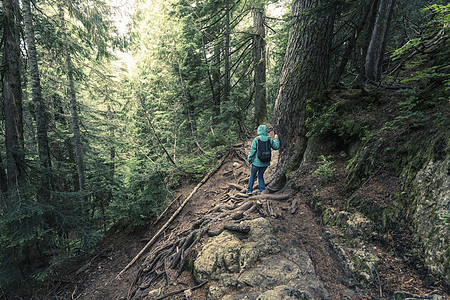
{"x": 216, "y": 81}
{"x": 259, "y": 58}
{"x": 226, "y": 85}
{"x": 303, "y": 78}
{"x": 39, "y": 105}
{"x": 374, "y": 57}
{"x": 3, "y": 178}
{"x": 12, "y": 96}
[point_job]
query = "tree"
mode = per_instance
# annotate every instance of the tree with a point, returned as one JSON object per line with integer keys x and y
{"x": 226, "y": 85}
{"x": 378, "y": 40}
{"x": 73, "y": 103}
{"x": 259, "y": 58}
{"x": 12, "y": 95}
{"x": 39, "y": 105}
{"x": 303, "y": 80}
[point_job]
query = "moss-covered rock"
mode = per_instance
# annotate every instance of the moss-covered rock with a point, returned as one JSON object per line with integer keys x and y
{"x": 431, "y": 193}
{"x": 259, "y": 262}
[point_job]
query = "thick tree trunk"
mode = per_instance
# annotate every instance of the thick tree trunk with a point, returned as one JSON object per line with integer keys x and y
{"x": 12, "y": 95}
{"x": 259, "y": 58}
{"x": 303, "y": 78}
{"x": 226, "y": 85}
{"x": 374, "y": 57}
{"x": 39, "y": 105}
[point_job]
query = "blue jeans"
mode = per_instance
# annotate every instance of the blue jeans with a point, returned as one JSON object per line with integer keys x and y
{"x": 261, "y": 184}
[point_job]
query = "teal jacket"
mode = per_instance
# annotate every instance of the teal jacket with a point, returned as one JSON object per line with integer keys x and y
{"x": 262, "y": 135}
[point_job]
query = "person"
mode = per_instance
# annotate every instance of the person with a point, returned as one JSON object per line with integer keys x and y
{"x": 259, "y": 167}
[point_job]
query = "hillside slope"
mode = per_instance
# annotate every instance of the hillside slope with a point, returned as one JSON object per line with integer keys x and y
{"x": 318, "y": 238}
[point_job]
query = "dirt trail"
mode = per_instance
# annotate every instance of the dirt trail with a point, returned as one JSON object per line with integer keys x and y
{"x": 94, "y": 276}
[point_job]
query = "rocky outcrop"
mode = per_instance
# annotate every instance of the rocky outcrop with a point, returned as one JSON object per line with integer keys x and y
{"x": 256, "y": 266}
{"x": 431, "y": 194}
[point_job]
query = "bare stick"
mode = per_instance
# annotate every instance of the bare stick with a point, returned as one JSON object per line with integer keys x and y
{"x": 175, "y": 214}
{"x": 167, "y": 208}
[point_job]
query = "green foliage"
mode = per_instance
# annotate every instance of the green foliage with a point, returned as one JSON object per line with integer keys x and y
{"x": 431, "y": 46}
{"x": 443, "y": 216}
{"x": 35, "y": 236}
{"x": 325, "y": 171}
{"x": 329, "y": 120}
{"x": 142, "y": 201}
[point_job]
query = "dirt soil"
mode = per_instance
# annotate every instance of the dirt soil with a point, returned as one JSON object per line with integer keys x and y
{"x": 94, "y": 276}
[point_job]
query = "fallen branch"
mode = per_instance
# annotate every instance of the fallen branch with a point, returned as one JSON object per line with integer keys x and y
{"x": 167, "y": 208}
{"x": 182, "y": 291}
{"x": 175, "y": 214}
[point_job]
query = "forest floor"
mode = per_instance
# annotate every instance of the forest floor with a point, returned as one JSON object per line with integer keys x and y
{"x": 94, "y": 276}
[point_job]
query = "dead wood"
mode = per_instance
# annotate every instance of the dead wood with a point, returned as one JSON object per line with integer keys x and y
{"x": 240, "y": 153}
{"x": 181, "y": 291}
{"x": 175, "y": 214}
{"x": 167, "y": 208}
{"x": 293, "y": 207}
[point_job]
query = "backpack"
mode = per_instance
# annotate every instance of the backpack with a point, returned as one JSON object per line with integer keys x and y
{"x": 264, "y": 151}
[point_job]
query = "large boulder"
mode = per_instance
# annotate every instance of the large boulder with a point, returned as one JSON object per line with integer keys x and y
{"x": 257, "y": 263}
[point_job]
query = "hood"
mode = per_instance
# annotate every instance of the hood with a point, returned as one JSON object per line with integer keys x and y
{"x": 262, "y": 130}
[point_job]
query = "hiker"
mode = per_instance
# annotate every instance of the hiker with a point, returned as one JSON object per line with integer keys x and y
{"x": 260, "y": 156}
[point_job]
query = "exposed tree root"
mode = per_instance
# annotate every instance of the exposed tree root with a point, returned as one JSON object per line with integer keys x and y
{"x": 181, "y": 291}
{"x": 165, "y": 264}
{"x": 175, "y": 214}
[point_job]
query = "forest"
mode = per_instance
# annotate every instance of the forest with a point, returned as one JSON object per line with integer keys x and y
{"x": 109, "y": 107}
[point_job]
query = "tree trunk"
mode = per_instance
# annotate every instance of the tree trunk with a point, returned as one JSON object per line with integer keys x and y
{"x": 304, "y": 77}
{"x": 74, "y": 109}
{"x": 39, "y": 105}
{"x": 226, "y": 86}
{"x": 374, "y": 57}
{"x": 259, "y": 58}
{"x": 216, "y": 81}
{"x": 362, "y": 21}
{"x": 12, "y": 95}
{"x": 3, "y": 178}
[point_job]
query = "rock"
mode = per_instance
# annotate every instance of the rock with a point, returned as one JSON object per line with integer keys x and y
{"x": 284, "y": 292}
{"x": 400, "y": 295}
{"x": 432, "y": 199}
{"x": 260, "y": 261}
{"x": 358, "y": 226}
{"x": 153, "y": 294}
{"x": 217, "y": 257}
